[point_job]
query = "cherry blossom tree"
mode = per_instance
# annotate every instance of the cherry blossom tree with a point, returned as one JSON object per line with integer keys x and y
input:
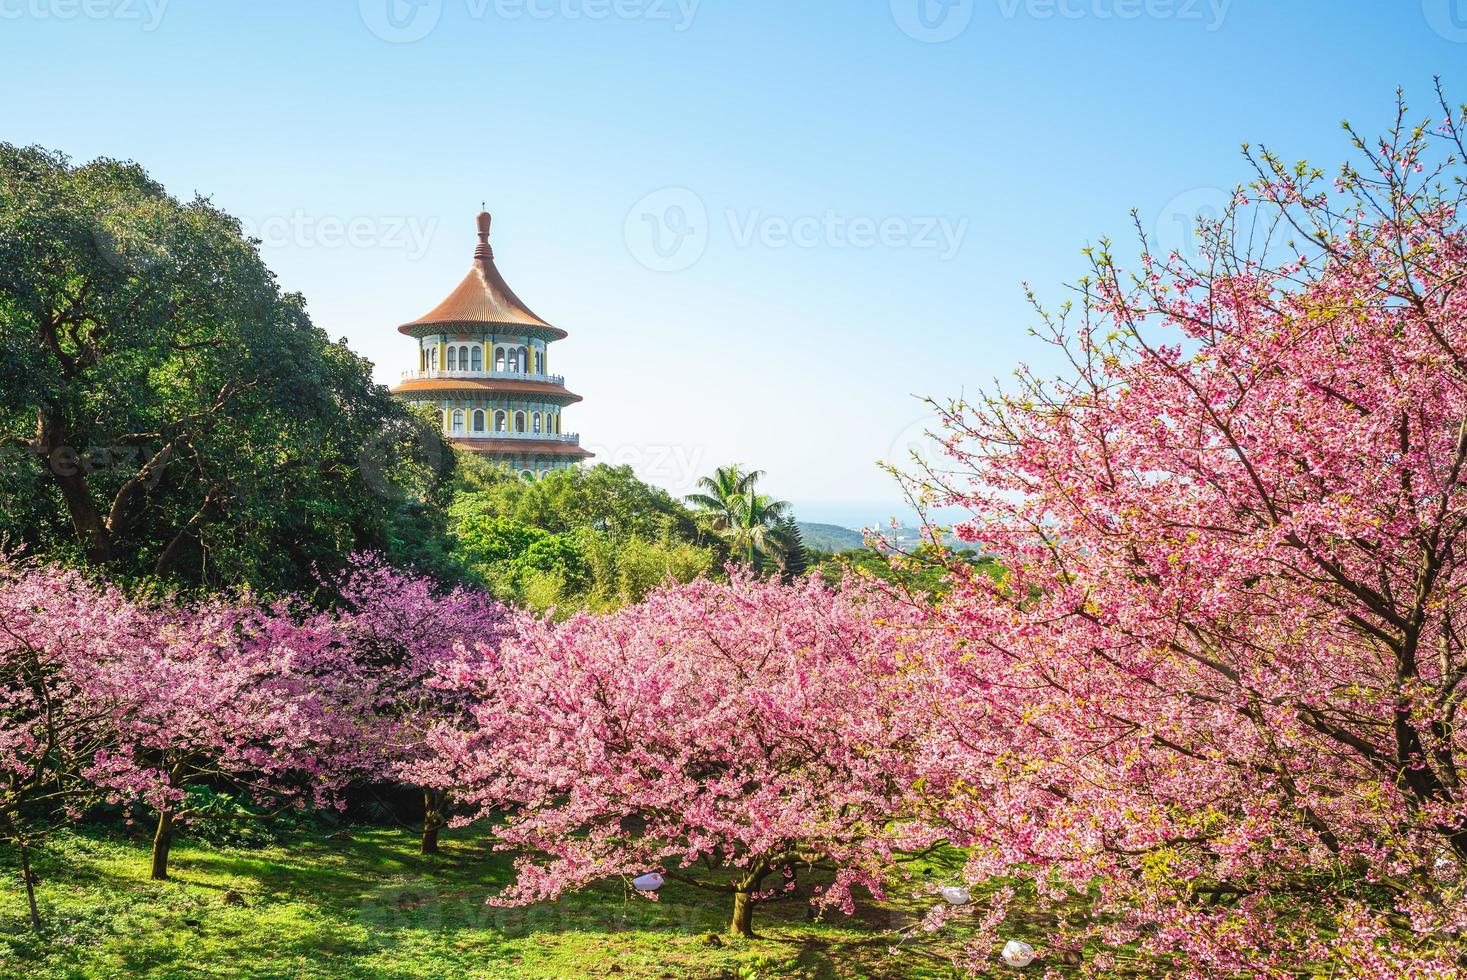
{"x": 1218, "y": 688}
{"x": 398, "y": 633}
{"x": 239, "y": 695}
{"x": 56, "y": 629}
{"x": 721, "y": 735}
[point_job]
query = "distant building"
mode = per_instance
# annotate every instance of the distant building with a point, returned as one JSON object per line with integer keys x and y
{"x": 482, "y": 366}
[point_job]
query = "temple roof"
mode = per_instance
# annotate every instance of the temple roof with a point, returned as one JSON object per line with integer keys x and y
{"x": 548, "y": 390}
{"x": 482, "y": 299}
{"x": 522, "y": 448}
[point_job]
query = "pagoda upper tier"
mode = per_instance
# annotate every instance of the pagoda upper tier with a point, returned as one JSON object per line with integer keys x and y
{"x": 483, "y": 298}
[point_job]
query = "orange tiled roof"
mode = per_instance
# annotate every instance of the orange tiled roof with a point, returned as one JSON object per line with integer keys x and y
{"x": 488, "y": 386}
{"x": 522, "y": 447}
{"x": 483, "y": 297}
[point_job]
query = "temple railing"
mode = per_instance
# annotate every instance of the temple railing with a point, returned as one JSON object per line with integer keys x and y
{"x": 549, "y": 379}
{"x": 573, "y": 438}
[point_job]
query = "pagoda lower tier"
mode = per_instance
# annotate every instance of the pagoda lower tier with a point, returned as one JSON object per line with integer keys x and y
{"x": 516, "y": 420}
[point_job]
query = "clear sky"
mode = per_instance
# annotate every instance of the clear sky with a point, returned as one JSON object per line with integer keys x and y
{"x": 766, "y": 224}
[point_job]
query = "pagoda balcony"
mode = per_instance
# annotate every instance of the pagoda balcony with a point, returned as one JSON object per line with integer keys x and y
{"x": 549, "y": 379}
{"x": 571, "y": 438}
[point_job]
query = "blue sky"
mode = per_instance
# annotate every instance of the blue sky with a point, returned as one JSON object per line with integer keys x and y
{"x": 766, "y": 224}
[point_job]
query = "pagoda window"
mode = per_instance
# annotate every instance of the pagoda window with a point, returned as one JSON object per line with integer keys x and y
{"x": 514, "y": 361}
{"x": 458, "y": 420}
{"x": 478, "y": 358}
{"x": 499, "y": 359}
{"x": 519, "y": 421}
{"x": 453, "y": 358}
{"x": 479, "y": 420}
{"x": 501, "y": 422}
{"x": 537, "y": 422}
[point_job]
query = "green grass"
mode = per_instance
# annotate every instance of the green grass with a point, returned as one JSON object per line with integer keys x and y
{"x": 371, "y": 906}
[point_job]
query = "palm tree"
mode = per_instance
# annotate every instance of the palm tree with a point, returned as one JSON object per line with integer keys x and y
{"x": 750, "y": 522}
{"x": 723, "y": 490}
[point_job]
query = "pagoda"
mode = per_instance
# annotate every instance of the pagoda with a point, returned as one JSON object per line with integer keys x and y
{"x": 482, "y": 368}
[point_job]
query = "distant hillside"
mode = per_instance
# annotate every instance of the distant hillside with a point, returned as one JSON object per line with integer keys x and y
{"x": 834, "y": 538}
{"x": 830, "y": 537}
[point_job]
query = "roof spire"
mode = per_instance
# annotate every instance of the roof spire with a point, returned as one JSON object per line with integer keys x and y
{"x": 484, "y": 251}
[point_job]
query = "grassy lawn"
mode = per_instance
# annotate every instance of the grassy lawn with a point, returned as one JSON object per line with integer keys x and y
{"x": 370, "y": 906}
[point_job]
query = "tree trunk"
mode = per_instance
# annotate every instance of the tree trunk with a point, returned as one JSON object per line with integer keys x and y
{"x": 29, "y": 878}
{"x": 63, "y": 463}
{"x": 162, "y": 841}
{"x": 433, "y": 807}
{"x": 742, "y": 923}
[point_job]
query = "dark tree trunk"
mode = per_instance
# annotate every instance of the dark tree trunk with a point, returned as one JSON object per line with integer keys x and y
{"x": 62, "y": 462}
{"x": 433, "y": 819}
{"x": 29, "y": 878}
{"x": 162, "y": 841}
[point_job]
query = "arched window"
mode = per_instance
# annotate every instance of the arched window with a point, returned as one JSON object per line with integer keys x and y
{"x": 536, "y": 422}
{"x": 433, "y": 359}
{"x": 453, "y": 358}
{"x": 519, "y": 421}
{"x": 458, "y": 421}
{"x": 543, "y": 351}
{"x": 557, "y": 423}
{"x": 514, "y": 361}
{"x": 478, "y": 358}
{"x": 501, "y": 422}
{"x": 529, "y": 475}
{"x": 499, "y": 358}
{"x": 479, "y": 420}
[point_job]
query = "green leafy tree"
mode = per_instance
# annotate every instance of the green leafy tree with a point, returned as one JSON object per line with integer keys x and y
{"x": 592, "y": 538}
{"x": 166, "y": 408}
{"x": 794, "y": 560}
